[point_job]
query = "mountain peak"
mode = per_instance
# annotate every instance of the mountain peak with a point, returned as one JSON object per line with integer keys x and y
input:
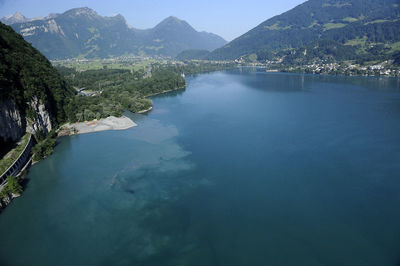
{"x": 18, "y": 15}
{"x": 173, "y": 18}
{"x": 16, "y": 18}
{"x": 173, "y": 22}
{"x": 80, "y": 29}
{"x": 81, "y": 11}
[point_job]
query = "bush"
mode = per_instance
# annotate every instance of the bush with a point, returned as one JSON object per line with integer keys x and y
{"x": 44, "y": 147}
{"x": 12, "y": 187}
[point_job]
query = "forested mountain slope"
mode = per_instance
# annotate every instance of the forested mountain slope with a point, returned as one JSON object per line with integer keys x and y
{"x": 367, "y": 27}
{"x": 33, "y": 95}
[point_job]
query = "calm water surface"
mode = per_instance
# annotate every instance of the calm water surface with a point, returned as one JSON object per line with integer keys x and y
{"x": 242, "y": 168}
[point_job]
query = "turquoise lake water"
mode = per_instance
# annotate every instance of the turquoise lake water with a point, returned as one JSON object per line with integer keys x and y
{"x": 241, "y": 168}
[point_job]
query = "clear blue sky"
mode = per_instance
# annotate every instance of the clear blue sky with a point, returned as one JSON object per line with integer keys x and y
{"x": 227, "y": 18}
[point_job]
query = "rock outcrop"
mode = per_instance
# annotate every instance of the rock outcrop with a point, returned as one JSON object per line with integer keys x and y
{"x": 42, "y": 121}
{"x": 12, "y": 124}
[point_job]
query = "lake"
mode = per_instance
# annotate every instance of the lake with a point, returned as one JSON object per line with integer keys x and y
{"x": 243, "y": 167}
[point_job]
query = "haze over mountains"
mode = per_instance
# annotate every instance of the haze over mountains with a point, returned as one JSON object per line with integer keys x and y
{"x": 19, "y": 18}
{"x": 81, "y": 32}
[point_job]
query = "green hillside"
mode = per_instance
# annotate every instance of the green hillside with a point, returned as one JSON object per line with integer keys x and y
{"x": 26, "y": 74}
{"x": 364, "y": 26}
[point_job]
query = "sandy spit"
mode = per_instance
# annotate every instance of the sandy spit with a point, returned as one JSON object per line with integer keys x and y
{"x": 109, "y": 123}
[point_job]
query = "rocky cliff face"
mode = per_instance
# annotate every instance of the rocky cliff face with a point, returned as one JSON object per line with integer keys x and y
{"x": 42, "y": 120}
{"x": 33, "y": 95}
{"x": 12, "y": 124}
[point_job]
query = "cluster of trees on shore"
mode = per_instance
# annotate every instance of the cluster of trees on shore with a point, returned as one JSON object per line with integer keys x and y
{"x": 117, "y": 90}
{"x": 192, "y": 67}
{"x": 11, "y": 187}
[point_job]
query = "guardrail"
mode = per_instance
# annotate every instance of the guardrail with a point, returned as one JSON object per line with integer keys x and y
{"x": 19, "y": 163}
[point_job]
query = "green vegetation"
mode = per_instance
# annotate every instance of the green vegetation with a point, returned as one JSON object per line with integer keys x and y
{"x": 25, "y": 74}
{"x": 198, "y": 66}
{"x": 11, "y": 187}
{"x": 357, "y": 41}
{"x": 131, "y": 64}
{"x": 329, "y": 26}
{"x": 117, "y": 90}
{"x": 326, "y": 51}
{"x": 13, "y": 154}
{"x": 45, "y": 145}
{"x": 347, "y": 22}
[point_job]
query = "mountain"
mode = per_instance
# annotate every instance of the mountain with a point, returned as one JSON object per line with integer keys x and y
{"x": 81, "y": 32}
{"x": 16, "y": 18}
{"x": 78, "y": 32}
{"x": 172, "y": 36}
{"x": 32, "y": 93}
{"x": 192, "y": 54}
{"x": 359, "y": 24}
{"x": 19, "y": 18}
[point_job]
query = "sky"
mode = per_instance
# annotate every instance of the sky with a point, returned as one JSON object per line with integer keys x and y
{"x": 227, "y": 18}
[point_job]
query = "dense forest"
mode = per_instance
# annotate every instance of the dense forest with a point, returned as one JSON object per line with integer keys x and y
{"x": 193, "y": 67}
{"x": 369, "y": 28}
{"x": 26, "y": 74}
{"x": 116, "y": 90}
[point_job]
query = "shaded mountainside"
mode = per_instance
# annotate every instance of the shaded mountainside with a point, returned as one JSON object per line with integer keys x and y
{"x": 359, "y": 24}
{"x": 192, "y": 54}
{"x": 81, "y": 32}
{"x": 172, "y": 36}
{"x": 32, "y": 92}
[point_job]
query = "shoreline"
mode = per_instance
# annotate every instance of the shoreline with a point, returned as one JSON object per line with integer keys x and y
{"x": 163, "y": 92}
{"x": 104, "y": 124}
{"x": 145, "y": 110}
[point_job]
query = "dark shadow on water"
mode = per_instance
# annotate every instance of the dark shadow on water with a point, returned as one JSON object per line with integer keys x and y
{"x": 129, "y": 191}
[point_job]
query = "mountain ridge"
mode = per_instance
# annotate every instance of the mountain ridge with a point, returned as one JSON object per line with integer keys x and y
{"x": 343, "y": 21}
{"x": 82, "y": 32}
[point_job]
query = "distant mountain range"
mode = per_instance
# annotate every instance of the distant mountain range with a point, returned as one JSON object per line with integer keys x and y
{"x": 19, "y": 18}
{"x": 81, "y": 32}
{"x": 337, "y": 29}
